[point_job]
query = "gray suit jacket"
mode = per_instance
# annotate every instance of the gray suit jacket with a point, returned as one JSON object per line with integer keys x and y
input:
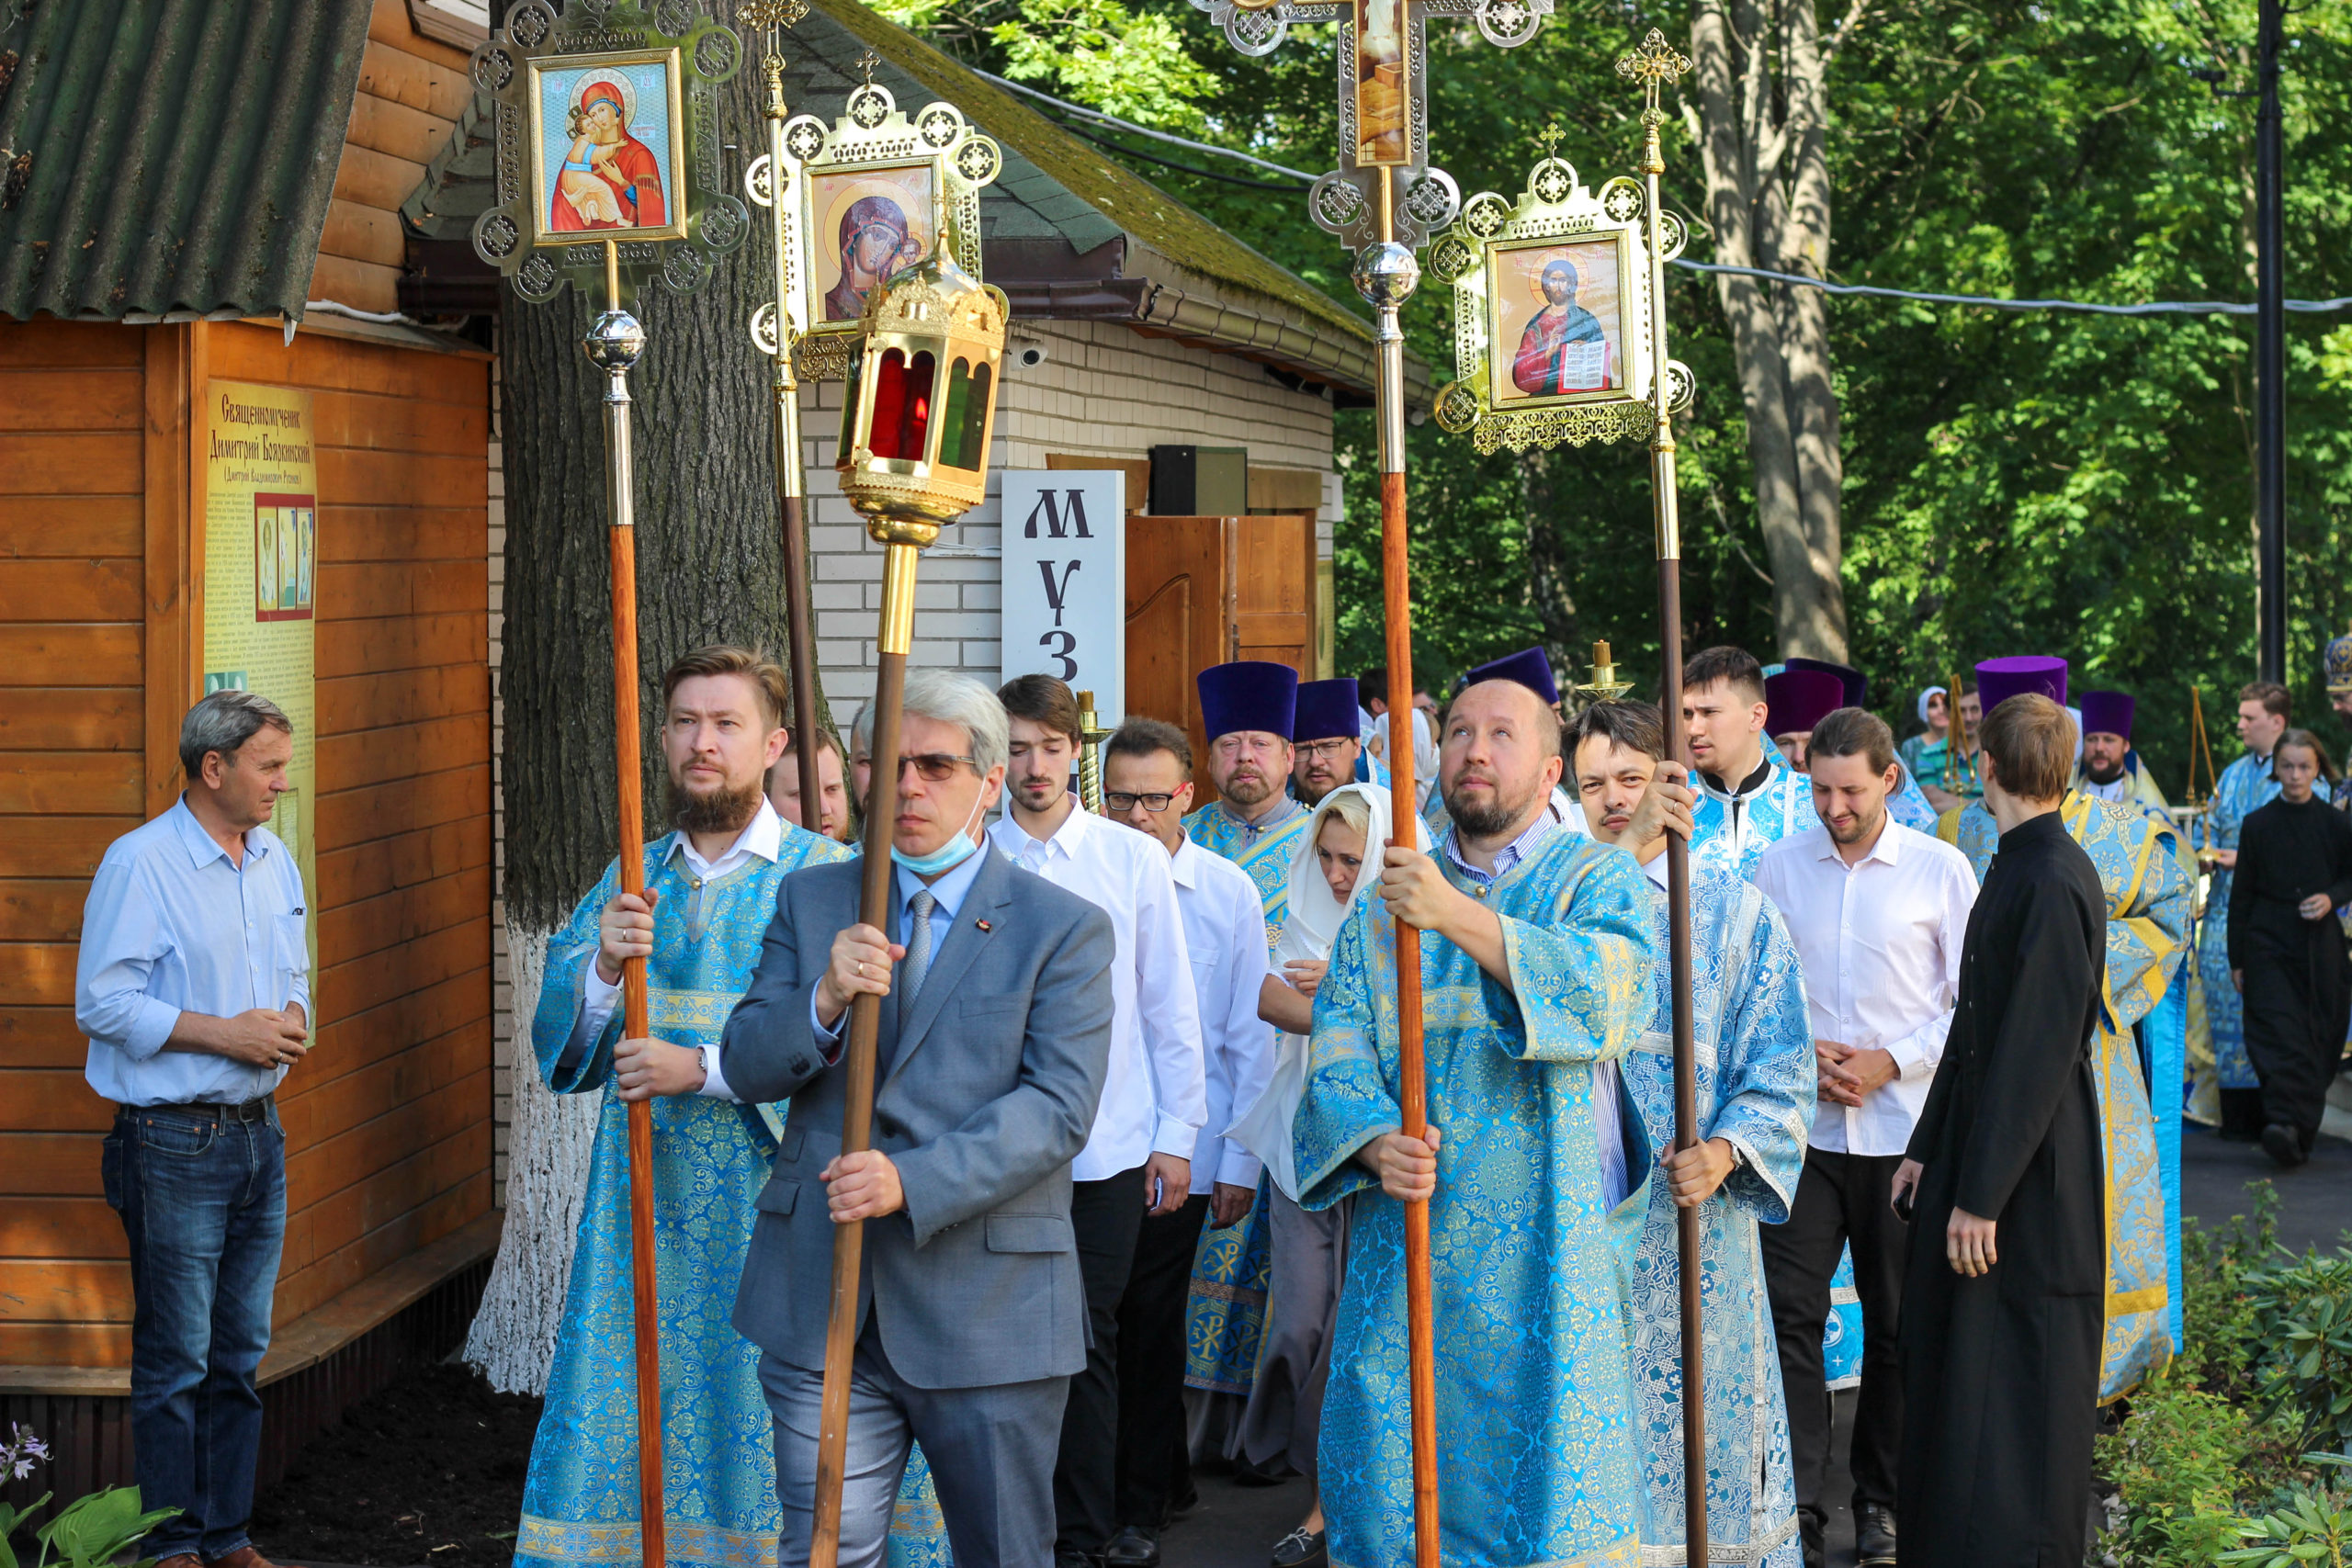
{"x": 990, "y": 1094}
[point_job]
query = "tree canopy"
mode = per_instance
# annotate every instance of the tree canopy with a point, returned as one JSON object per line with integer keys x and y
{"x": 2014, "y": 481}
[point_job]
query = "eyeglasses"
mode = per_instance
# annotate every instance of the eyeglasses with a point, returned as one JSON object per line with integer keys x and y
{"x": 1324, "y": 750}
{"x": 1121, "y": 804}
{"x": 936, "y": 767}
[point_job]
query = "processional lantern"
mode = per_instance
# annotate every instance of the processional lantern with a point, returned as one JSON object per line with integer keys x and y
{"x": 607, "y": 177}
{"x": 1559, "y": 334}
{"x": 917, "y": 421}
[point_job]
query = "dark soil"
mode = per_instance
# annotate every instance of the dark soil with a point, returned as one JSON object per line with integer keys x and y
{"x": 429, "y": 1471}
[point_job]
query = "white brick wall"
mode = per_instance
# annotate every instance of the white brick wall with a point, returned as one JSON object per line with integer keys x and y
{"x": 1103, "y": 389}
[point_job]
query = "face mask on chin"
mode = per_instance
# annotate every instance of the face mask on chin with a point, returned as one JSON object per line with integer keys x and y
{"x": 947, "y": 856}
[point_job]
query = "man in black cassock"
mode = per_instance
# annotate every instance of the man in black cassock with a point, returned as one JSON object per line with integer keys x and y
{"x": 2004, "y": 1293}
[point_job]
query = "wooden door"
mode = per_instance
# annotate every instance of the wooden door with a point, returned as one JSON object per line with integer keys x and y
{"x": 1204, "y": 590}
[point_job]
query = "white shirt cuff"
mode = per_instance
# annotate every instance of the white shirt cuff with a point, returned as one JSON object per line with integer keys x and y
{"x": 714, "y": 1083}
{"x": 1916, "y": 1054}
{"x": 1174, "y": 1137}
{"x": 1240, "y": 1167}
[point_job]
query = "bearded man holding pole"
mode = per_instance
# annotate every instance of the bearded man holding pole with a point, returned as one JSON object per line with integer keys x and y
{"x": 1537, "y": 949}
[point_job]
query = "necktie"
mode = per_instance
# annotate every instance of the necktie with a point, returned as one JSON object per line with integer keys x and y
{"x": 918, "y": 962}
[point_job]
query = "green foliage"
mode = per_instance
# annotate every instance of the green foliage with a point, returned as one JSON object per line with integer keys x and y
{"x": 2026, "y": 481}
{"x": 2304, "y": 1321}
{"x": 2191, "y": 1457}
{"x": 11, "y": 1520}
{"x": 95, "y": 1530}
{"x": 2308, "y": 1526}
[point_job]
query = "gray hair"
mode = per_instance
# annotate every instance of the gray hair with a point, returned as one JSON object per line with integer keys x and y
{"x": 861, "y": 729}
{"x": 948, "y": 698}
{"x": 223, "y": 721}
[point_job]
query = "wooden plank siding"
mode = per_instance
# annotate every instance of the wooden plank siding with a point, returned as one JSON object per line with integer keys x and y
{"x": 411, "y": 90}
{"x": 388, "y": 1120}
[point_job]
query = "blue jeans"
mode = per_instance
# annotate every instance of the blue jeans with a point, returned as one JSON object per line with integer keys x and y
{"x": 204, "y": 1204}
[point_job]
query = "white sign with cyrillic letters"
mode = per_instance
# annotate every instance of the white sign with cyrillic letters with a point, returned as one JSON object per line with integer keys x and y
{"x": 1064, "y": 554}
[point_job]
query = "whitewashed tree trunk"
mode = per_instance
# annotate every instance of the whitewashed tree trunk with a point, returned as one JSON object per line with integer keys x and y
{"x": 512, "y": 1341}
{"x": 1763, "y": 113}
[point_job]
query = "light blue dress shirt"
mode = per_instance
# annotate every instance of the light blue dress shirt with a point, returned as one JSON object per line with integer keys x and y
{"x": 947, "y": 894}
{"x": 173, "y": 926}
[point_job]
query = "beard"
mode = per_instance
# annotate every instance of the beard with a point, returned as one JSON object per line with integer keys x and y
{"x": 1491, "y": 819}
{"x": 2099, "y": 775}
{"x": 1251, "y": 789}
{"x": 720, "y": 811}
{"x": 1858, "y": 827}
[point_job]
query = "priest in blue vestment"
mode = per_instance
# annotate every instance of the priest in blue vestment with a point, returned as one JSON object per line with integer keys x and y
{"x": 1251, "y": 710}
{"x": 2244, "y": 787}
{"x": 1537, "y": 956}
{"x": 1755, "y": 1084}
{"x": 711, "y": 889}
{"x": 1908, "y": 804}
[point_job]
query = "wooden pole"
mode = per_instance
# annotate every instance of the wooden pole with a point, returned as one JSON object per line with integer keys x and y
{"x": 790, "y": 489}
{"x": 857, "y": 1060}
{"x": 1665, "y": 65}
{"x": 1385, "y": 275}
{"x": 614, "y": 343}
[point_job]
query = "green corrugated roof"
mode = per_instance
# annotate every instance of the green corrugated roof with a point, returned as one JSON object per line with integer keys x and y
{"x": 181, "y": 154}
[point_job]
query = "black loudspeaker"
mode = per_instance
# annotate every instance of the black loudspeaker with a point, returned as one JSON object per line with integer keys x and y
{"x": 1199, "y": 481}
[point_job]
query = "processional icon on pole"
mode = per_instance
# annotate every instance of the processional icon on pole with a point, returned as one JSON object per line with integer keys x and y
{"x": 606, "y": 122}
{"x": 1559, "y": 333}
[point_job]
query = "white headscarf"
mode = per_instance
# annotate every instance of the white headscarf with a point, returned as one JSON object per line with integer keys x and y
{"x": 1308, "y": 930}
{"x": 1314, "y": 918}
{"x": 1930, "y": 691}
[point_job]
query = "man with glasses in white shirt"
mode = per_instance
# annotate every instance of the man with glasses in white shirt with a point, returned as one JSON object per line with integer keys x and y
{"x": 1147, "y": 784}
{"x": 1138, "y": 1161}
{"x": 1879, "y": 912}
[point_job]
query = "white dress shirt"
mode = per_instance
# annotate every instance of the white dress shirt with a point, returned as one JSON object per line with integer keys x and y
{"x": 173, "y": 925}
{"x": 761, "y": 838}
{"x": 1225, "y": 934}
{"x": 1154, "y": 1099}
{"x": 1880, "y": 941}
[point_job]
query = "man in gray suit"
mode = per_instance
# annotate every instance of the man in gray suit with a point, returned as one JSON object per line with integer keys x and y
{"x": 995, "y": 1041}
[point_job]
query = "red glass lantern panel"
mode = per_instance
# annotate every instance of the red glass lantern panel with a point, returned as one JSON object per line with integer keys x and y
{"x": 901, "y": 406}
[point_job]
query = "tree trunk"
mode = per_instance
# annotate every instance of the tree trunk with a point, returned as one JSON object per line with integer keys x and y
{"x": 710, "y": 569}
{"x": 1763, "y": 113}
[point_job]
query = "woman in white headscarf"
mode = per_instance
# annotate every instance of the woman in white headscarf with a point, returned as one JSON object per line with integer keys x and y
{"x": 1337, "y": 864}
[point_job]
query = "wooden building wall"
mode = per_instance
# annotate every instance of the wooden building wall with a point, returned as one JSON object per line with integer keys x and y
{"x": 411, "y": 90}
{"x": 388, "y": 1120}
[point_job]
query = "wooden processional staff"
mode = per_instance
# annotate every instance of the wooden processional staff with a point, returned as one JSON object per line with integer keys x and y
{"x": 916, "y": 425}
{"x": 541, "y": 235}
{"x": 771, "y": 332}
{"x": 1504, "y": 258}
{"x": 1383, "y": 200}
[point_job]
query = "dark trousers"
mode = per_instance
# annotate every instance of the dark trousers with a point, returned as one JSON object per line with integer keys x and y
{"x": 1107, "y": 1217}
{"x": 1155, "y": 1466}
{"x": 203, "y": 1203}
{"x": 1842, "y": 1199}
{"x": 2294, "y": 1034}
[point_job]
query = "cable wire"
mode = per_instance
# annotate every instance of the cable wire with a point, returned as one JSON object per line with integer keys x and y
{"x": 2153, "y": 308}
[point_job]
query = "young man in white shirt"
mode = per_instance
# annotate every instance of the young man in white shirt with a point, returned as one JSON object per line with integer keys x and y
{"x": 1147, "y": 784}
{"x": 1138, "y": 1161}
{"x": 1879, "y": 912}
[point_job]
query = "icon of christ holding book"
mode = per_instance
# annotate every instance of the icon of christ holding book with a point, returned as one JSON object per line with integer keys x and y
{"x": 1565, "y": 348}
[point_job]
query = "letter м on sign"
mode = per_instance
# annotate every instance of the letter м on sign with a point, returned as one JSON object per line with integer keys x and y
{"x": 1065, "y": 606}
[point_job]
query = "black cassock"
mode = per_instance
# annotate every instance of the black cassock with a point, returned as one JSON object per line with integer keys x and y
{"x": 2000, "y": 1373}
{"x": 2296, "y": 973}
